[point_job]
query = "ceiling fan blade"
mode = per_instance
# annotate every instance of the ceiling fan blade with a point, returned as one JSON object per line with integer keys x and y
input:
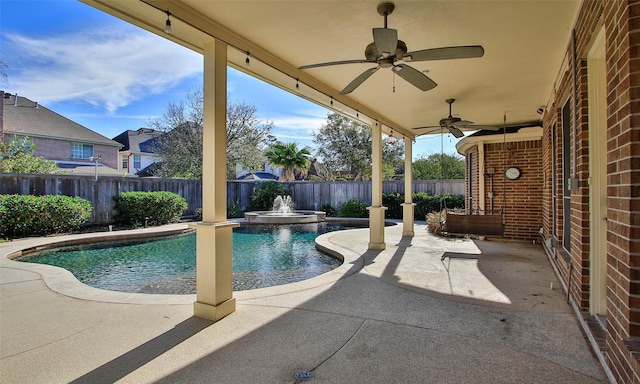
{"x": 445, "y": 53}
{"x": 485, "y": 127}
{"x": 359, "y": 80}
{"x": 463, "y": 123}
{"x": 334, "y": 63}
{"x": 429, "y": 130}
{"x": 455, "y": 131}
{"x": 386, "y": 41}
{"x": 415, "y": 77}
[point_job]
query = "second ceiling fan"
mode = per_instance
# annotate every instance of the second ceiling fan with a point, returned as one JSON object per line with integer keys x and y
{"x": 386, "y": 50}
{"x": 454, "y": 125}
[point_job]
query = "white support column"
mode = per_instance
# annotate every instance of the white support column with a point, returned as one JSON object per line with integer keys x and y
{"x": 408, "y": 207}
{"x": 376, "y": 210}
{"x": 214, "y": 237}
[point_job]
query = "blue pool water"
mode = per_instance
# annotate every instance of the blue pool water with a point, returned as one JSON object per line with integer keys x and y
{"x": 263, "y": 256}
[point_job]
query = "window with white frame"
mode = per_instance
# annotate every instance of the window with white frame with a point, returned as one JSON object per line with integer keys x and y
{"x": 136, "y": 161}
{"x": 125, "y": 162}
{"x": 81, "y": 151}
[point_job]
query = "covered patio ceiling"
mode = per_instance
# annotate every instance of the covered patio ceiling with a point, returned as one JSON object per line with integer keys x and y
{"x": 524, "y": 43}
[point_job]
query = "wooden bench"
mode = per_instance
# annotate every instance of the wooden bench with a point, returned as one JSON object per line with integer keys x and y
{"x": 488, "y": 225}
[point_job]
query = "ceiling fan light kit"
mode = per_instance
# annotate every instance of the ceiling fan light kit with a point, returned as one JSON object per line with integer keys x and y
{"x": 386, "y": 50}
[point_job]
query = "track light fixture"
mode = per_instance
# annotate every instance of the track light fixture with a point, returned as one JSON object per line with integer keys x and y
{"x": 297, "y": 85}
{"x": 167, "y": 25}
{"x": 247, "y": 62}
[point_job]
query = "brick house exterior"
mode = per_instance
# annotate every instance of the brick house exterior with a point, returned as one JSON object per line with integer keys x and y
{"x": 57, "y": 138}
{"x": 490, "y": 192}
{"x": 579, "y": 193}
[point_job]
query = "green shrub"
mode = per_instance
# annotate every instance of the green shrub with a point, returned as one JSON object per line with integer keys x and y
{"x": 149, "y": 208}
{"x": 328, "y": 209}
{"x": 27, "y": 215}
{"x": 353, "y": 208}
{"x": 393, "y": 202}
{"x": 426, "y": 203}
{"x": 233, "y": 210}
{"x": 264, "y": 193}
{"x": 454, "y": 201}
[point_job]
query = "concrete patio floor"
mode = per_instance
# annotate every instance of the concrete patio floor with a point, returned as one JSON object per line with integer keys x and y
{"x": 484, "y": 314}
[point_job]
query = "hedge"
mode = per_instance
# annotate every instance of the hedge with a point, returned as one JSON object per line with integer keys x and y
{"x": 149, "y": 208}
{"x": 28, "y": 215}
{"x": 353, "y": 208}
{"x": 425, "y": 203}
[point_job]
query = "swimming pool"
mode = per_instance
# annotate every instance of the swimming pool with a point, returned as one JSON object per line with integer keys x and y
{"x": 263, "y": 256}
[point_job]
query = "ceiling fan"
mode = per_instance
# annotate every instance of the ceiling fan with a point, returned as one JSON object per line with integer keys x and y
{"x": 455, "y": 124}
{"x": 386, "y": 50}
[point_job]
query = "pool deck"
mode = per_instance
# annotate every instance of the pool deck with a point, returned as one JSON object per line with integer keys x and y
{"x": 490, "y": 312}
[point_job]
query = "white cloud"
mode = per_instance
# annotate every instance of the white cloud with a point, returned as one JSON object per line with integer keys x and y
{"x": 298, "y": 123}
{"x": 109, "y": 68}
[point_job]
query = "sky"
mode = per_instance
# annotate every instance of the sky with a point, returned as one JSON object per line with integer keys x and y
{"x": 111, "y": 76}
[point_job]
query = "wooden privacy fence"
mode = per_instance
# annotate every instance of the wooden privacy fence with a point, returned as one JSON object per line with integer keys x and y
{"x": 315, "y": 194}
{"x": 99, "y": 193}
{"x": 305, "y": 194}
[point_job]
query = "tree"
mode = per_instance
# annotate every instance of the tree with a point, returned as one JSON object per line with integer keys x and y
{"x": 246, "y": 138}
{"x": 17, "y": 156}
{"x": 289, "y": 158}
{"x": 4, "y": 78}
{"x": 436, "y": 166}
{"x": 345, "y": 146}
{"x": 181, "y": 151}
{"x": 181, "y": 146}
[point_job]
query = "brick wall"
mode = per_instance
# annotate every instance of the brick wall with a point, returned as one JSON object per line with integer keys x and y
{"x": 61, "y": 150}
{"x": 520, "y": 201}
{"x": 621, "y": 22}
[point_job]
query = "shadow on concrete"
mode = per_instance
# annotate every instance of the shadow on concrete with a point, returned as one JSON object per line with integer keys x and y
{"x": 121, "y": 366}
{"x": 364, "y": 329}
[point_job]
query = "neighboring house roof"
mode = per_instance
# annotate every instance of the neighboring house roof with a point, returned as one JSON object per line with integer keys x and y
{"x": 88, "y": 170}
{"x": 139, "y": 141}
{"x": 27, "y": 118}
{"x": 152, "y": 170}
{"x": 258, "y": 176}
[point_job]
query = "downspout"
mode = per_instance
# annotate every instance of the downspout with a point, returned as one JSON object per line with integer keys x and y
{"x": 569, "y": 283}
{"x": 574, "y": 59}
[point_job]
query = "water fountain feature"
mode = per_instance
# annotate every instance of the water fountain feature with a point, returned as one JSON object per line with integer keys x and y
{"x": 283, "y": 212}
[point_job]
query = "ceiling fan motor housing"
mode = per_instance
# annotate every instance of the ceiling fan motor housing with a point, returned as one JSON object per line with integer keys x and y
{"x": 372, "y": 54}
{"x": 449, "y": 121}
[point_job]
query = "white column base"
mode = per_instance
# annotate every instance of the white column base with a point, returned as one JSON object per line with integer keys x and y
{"x": 376, "y": 228}
{"x": 408, "y": 219}
{"x": 214, "y": 312}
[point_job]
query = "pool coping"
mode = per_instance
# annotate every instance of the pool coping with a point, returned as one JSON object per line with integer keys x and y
{"x": 63, "y": 282}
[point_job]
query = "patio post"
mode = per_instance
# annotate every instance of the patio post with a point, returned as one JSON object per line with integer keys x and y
{"x": 376, "y": 210}
{"x": 409, "y": 206}
{"x": 214, "y": 274}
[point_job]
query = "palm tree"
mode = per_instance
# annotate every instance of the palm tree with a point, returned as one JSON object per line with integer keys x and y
{"x": 289, "y": 158}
